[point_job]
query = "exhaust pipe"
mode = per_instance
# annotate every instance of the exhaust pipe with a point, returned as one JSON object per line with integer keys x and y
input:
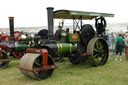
{"x": 50, "y": 22}
{"x": 11, "y": 26}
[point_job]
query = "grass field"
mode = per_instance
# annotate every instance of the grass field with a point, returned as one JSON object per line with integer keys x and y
{"x": 113, "y": 73}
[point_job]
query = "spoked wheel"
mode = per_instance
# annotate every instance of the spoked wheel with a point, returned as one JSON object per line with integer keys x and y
{"x": 98, "y": 49}
{"x": 4, "y": 56}
{"x": 18, "y": 54}
{"x": 30, "y": 61}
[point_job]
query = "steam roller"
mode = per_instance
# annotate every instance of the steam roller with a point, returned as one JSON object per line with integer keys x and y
{"x": 34, "y": 65}
{"x": 80, "y": 44}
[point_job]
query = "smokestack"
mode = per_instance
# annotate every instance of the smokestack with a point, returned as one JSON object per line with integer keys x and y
{"x": 11, "y": 24}
{"x": 50, "y": 22}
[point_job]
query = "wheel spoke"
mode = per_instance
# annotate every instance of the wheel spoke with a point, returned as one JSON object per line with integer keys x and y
{"x": 97, "y": 45}
{"x": 37, "y": 64}
{"x": 95, "y": 55}
{"x": 101, "y": 46}
{"x": 95, "y": 49}
{"x": 102, "y": 51}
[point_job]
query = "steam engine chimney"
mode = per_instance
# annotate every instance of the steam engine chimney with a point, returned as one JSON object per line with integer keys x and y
{"x": 11, "y": 24}
{"x": 50, "y": 22}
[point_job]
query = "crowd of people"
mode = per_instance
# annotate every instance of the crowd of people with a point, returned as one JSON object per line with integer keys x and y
{"x": 118, "y": 43}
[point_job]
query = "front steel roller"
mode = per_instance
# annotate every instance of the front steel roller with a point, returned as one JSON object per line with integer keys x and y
{"x": 98, "y": 49}
{"x": 34, "y": 60}
{"x": 4, "y": 59}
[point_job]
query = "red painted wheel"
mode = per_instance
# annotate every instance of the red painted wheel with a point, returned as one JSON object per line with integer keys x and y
{"x": 18, "y": 54}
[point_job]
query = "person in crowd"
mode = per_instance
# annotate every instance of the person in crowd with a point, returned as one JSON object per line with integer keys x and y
{"x": 119, "y": 46}
{"x": 112, "y": 40}
{"x": 126, "y": 44}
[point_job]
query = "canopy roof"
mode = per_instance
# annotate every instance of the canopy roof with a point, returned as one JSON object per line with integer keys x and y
{"x": 69, "y": 14}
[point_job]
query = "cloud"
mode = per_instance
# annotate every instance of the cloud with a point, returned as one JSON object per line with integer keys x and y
{"x": 33, "y": 12}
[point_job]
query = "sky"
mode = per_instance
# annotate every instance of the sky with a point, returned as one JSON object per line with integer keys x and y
{"x": 33, "y": 12}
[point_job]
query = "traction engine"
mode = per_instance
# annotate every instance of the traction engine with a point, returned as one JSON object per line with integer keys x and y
{"x": 84, "y": 43}
{"x": 14, "y": 45}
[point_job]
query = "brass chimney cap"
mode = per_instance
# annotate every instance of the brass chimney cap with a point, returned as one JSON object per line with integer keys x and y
{"x": 11, "y": 17}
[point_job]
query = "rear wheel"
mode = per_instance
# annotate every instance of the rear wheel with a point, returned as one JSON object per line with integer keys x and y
{"x": 98, "y": 49}
{"x": 31, "y": 61}
{"x": 4, "y": 56}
